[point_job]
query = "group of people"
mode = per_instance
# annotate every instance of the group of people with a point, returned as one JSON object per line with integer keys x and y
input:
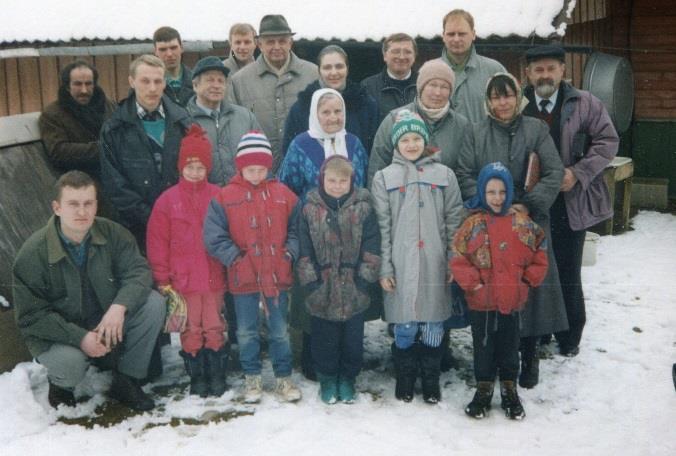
{"x": 290, "y": 193}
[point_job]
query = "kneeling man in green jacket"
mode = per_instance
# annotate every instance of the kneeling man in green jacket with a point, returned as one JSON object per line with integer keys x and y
{"x": 82, "y": 294}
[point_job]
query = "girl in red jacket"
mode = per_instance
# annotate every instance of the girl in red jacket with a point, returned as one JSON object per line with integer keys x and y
{"x": 179, "y": 260}
{"x": 498, "y": 253}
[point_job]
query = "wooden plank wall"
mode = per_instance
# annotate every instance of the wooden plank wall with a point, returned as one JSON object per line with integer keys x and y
{"x": 642, "y": 31}
{"x": 653, "y": 43}
{"x": 29, "y": 84}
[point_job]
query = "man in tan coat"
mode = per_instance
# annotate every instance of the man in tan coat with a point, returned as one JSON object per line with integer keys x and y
{"x": 270, "y": 86}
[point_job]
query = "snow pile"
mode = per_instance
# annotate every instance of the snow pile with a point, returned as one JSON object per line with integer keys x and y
{"x": 616, "y": 397}
{"x": 44, "y": 20}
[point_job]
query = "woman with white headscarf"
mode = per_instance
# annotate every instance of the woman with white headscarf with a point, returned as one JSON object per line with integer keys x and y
{"x": 325, "y": 137}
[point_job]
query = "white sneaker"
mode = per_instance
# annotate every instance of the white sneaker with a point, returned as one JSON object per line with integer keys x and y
{"x": 286, "y": 390}
{"x": 253, "y": 389}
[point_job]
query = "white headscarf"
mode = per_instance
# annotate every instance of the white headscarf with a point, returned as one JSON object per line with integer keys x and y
{"x": 334, "y": 143}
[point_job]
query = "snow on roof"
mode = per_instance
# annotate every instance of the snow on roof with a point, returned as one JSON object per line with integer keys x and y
{"x": 65, "y": 20}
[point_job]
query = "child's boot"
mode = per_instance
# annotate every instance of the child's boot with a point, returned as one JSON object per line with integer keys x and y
{"x": 286, "y": 390}
{"x": 328, "y": 388}
{"x": 216, "y": 363}
{"x": 430, "y": 368}
{"x": 253, "y": 389}
{"x": 481, "y": 403}
{"x": 406, "y": 367}
{"x": 346, "y": 391}
{"x": 195, "y": 367}
{"x": 510, "y": 401}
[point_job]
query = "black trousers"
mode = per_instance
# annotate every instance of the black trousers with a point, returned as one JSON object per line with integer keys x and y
{"x": 568, "y": 246}
{"x": 338, "y": 346}
{"x": 496, "y": 349}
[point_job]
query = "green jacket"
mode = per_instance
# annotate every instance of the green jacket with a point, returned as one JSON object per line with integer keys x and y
{"x": 46, "y": 282}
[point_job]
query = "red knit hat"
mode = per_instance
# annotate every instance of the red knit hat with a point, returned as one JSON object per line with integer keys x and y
{"x": 253, "y": 149}
{"x": 195, "y": 146}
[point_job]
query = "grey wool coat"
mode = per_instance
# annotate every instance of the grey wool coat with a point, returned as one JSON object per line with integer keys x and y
{"x": 270, "y": 97}
{"x": 419, "y": 208}
{"x": 492, "y": 141}
{"x": 224, "y": 134}
{"x": 448, "y": 135}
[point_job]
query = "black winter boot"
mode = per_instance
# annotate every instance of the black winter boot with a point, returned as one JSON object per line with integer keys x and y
{"x": 448, "y": 361}
{"x": 195, "y": 366}
{"x": 511, "y": 403}
{"x": 406, "y": 367}
{"x": 430, "y": 368}
{"x": 530, "y": 371}
{"x": 127, "y": 391}
{"x": 481, "y": 403}
{"x": 216, "y": 364}
{"x": 60, "y": 396}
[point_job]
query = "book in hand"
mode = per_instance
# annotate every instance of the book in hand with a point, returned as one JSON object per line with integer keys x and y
{"x": 532, "y": 171}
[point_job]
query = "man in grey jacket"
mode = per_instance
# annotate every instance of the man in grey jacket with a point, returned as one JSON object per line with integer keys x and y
{"x": 242, "y": 39}
{"x": 270, "y": 86}
{"x": 472, "y": 71}
{"x": 224, "y": 122}
{"x": 587, "y": 141}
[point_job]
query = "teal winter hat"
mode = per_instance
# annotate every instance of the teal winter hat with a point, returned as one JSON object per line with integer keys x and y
{"x": 409, "y": 122}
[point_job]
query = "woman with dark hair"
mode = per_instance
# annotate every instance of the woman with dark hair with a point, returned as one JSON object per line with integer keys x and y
{"x": 506, "y": 136}
{"x": 360, "y": 107}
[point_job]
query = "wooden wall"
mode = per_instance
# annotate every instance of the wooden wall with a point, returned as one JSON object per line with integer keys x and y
{"x": 644, "y": 32}
{"x": 653, "y": 43}
{"x": 29, "y": 84}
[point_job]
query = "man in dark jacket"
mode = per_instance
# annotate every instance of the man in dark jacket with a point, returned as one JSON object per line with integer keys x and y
{"x": 169, "y": 49}
{"x": 587, "y": 141}
{"x": 139, "y": 146}
{"x": 395, "y": 85}
{"x": 82, "y": 295}
{"x": 70, "y": 126}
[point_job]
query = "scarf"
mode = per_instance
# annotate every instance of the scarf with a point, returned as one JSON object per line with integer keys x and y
{"x": 90, "y": 116}
{"x": 434, "y": 114}
{"x": 333, "y": 143}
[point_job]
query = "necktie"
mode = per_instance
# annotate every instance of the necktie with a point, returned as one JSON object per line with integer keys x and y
{"x": 543, "y": 106}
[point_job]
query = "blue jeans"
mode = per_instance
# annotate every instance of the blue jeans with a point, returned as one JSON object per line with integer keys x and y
{"x": 248, "y": 337}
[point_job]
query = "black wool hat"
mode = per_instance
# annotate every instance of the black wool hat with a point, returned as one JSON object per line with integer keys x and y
{"x": 547, "y": 51}
{"x": 274, "y": 24}
{"x": 207, "y": 64}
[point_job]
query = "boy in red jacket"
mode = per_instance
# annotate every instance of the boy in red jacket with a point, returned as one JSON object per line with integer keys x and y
{"x": 251, "y": 227}
{"x": 498, "y": 253}
{"x": 179, "y": 260}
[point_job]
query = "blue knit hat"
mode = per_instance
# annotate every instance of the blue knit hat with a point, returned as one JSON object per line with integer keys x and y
{"x": 492, "y": 171}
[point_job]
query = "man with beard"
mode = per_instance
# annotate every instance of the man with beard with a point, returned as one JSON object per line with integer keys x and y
{"x": 70, "y": 126}
{"x": 587, "y": 141}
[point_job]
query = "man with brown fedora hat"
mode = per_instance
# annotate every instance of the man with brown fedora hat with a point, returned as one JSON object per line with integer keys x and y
{"x": 270, "y": 86}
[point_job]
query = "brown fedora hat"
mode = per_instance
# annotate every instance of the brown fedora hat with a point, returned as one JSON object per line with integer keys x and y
{"x": 274, "y": 24}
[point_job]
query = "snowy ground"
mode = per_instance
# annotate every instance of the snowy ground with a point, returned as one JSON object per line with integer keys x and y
{"x": 615, "y": 398}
